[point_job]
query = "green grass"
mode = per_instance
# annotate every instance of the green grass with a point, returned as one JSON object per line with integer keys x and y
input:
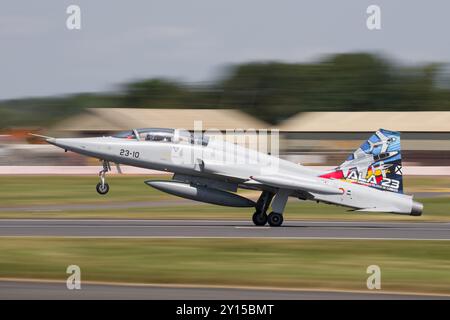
{"x": 56, "y": 190}
{"x": 426, "y": 183}
{"x": 41, "y": 190}
{"x": 411, "y": 266}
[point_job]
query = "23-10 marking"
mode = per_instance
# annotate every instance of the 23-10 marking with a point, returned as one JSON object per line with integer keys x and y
{"x": 128, "y": 153}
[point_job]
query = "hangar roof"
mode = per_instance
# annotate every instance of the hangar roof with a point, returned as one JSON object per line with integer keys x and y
{"x": 116, "y": 119}
{"x": 411, "y": 121}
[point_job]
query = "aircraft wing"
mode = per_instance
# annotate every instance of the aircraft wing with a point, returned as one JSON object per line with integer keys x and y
{"x": 298, "y": 184}
{"x": 231, "y": 171}
{"x": 279, "y": 181}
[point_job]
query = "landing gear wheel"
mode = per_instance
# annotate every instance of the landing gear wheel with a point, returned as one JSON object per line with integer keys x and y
{"x": 259, "y": 218}
{"x": 102, "y": 188}
{"x": 275, "y": 219}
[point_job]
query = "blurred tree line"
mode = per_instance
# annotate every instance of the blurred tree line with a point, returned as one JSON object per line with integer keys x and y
{"x": 271, "y": 91}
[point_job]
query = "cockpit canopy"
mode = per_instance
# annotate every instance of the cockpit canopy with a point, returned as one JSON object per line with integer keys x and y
{"x": 163, "y": 135}
{"x": 151, "y": 134}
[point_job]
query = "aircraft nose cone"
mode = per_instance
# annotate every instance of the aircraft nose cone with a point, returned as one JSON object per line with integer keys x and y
{"x": 67, "y": 144}
{"x": 417, "y": 209}
{"x": 58, "y": 142}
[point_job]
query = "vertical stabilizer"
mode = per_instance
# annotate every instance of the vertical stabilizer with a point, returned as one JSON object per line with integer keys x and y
{"x": 377, "y": 163}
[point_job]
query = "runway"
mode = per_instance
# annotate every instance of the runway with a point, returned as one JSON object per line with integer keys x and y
{"x": 223, "y": 229}
{"x": 58, "y": 290}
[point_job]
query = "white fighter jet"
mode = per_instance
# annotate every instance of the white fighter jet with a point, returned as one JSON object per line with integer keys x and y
{"x": 206, "y": 170}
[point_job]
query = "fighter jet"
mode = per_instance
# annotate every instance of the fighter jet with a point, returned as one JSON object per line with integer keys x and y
{"x": 212, "y": 171}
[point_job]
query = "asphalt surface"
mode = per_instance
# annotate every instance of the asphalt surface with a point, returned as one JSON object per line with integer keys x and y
{"x": 52, "y": 290}
{"x": 223, "y": 229}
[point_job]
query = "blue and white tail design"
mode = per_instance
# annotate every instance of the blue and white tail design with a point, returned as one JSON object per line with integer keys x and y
{"x": 377, "y": 163}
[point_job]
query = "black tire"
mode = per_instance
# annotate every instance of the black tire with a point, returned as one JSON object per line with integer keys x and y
{"x": 275, "y": 219}
{"x": 102, "y": 189}
{"x": 259, "y": 219}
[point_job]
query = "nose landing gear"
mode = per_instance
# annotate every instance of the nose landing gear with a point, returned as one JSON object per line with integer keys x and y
{"x": 102, "y": 187}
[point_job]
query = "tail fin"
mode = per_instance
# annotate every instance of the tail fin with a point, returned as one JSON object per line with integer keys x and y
{"x": 377, "y": 163}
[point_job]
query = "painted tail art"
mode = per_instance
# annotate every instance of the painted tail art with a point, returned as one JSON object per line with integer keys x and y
{"x": 377, "y": 163}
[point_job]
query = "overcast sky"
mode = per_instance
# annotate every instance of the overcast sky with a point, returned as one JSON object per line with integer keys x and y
{"x": 192, "y": 40}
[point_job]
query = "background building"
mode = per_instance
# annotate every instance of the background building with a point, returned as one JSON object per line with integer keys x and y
{"x": 311, "y": 138}
{"x": 97, "y": 121}
{"x": 327, "y": 138}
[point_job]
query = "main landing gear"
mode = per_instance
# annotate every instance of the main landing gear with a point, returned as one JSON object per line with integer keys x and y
{"x": 260, "y": 215}
{"x": 275, "y": 218}
{"x": 102, "y": 187}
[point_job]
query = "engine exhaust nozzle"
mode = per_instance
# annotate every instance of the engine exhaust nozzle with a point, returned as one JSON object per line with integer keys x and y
{"x": 416, "y": 209}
